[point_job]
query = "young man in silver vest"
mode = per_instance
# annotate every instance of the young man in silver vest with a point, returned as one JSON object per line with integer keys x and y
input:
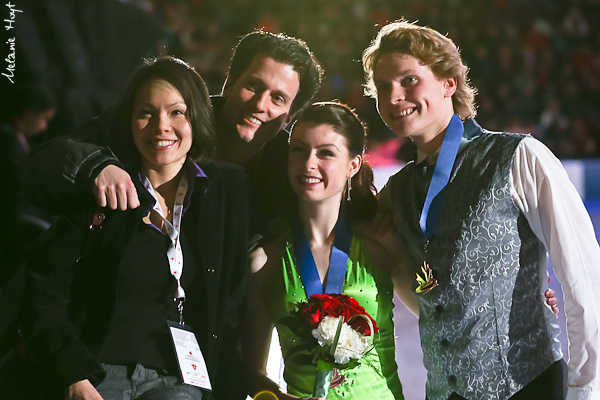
{"x": 483, "y": 210}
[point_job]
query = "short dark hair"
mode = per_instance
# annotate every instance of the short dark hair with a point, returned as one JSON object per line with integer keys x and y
{"x": 283, "y": 49}
{"x": 346, "y": 122}
{"x": 194, "y": 92}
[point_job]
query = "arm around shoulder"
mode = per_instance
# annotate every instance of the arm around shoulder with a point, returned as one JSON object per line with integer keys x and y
{"x": 65, "y": 168}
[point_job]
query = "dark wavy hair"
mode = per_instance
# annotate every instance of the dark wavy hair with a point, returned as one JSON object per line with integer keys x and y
{"x": 194, "y": 92}
{"x": 283, "y": 49}
{"x": 345, "y": 121}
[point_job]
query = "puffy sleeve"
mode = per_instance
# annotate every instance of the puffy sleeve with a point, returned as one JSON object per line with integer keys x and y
{"x": 557, "y": 215}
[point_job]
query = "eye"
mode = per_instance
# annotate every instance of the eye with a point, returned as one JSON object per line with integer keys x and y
{"x": 279, "y": 100}
{"x": 251, "y": 86}
{"x": 295, "y": 148}
{"x": 143, "y": 113}
{"x": 179, "y": 112}
{"x": 408, "y": 80}
{"x": 327, "y": 153}
{"x": 383, "y": 86}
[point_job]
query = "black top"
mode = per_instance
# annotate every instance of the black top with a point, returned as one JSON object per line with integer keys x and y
{"x": 138, "y": 331}
{"x": 74, "y": 311}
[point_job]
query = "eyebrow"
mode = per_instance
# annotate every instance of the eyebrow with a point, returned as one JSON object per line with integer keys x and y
{"x": 145, "y": 103}
{"x": 257, "y": 78}
{"x": 402, "y": 73}
{"x": 318, "y": 147}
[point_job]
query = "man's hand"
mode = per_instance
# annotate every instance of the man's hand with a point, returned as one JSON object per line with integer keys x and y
{"x": 114, "y": 188}
{"x": 82, "y": 390}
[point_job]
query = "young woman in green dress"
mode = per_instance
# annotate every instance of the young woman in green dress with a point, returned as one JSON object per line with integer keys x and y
{"x": 334, "y": 187}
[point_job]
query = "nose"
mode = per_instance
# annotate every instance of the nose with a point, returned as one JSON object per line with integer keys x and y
{"x": 261, "y": 101}
{"x": 163, "y": 123}
{"x": 398, "y": 93}
{"x": 311, "y": 161}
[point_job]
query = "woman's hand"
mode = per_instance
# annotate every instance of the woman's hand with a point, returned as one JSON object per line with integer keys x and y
{"x": 82, "y": 390}
{"x": 114, "y": 188}
{"x": 551, "y": 300}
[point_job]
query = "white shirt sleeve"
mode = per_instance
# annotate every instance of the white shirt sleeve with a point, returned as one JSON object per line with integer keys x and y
{"x": 543, "y": 192}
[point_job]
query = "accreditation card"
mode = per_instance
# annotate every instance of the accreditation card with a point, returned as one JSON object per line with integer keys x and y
{"x": 192, "y": 366}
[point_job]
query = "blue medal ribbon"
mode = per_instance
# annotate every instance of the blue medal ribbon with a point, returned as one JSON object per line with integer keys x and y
{"x": 337, "y": 264}
{"x": 430, "y": 215}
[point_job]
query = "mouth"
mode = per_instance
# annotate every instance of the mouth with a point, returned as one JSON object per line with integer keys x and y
{"x": 163, "y": 144}
{"x": 309, "y": 180}
{"x": 404, "y": 113}
{"x": 254, "y": 120}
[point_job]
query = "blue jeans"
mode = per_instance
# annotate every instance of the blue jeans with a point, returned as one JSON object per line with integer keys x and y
{"x": 144, "y": 384}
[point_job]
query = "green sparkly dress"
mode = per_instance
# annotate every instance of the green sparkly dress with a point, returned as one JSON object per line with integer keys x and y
{"x": 377, "y": 376}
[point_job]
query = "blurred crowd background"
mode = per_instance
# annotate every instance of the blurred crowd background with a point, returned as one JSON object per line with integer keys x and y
{"x": 535, "y": 63}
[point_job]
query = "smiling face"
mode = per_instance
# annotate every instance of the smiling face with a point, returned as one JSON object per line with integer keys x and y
{"x": 161, "y": 129}
{"x": 411, "y": 100}
{"x": 257, "y": 105}
{"x": 319, "y": 162}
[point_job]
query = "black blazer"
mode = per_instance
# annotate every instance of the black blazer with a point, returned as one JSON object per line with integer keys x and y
{"x": 71, "y": 303}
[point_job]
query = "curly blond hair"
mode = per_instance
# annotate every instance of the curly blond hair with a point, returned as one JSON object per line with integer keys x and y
{"x": 432, "y": 49}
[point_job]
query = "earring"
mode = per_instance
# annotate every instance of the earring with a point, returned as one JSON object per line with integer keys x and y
{"x": 349, "y": 180}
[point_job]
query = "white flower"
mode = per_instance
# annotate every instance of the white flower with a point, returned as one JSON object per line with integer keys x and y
{"x": 351, "y": 344}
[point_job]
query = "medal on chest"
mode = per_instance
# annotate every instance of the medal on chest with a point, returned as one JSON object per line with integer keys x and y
{"x": 430, "y": 215}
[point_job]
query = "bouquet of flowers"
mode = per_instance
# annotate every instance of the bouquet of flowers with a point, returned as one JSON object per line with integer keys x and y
{"x": 343, "y": 332}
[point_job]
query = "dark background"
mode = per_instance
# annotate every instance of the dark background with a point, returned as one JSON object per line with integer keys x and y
{"x": 536, "y": 63}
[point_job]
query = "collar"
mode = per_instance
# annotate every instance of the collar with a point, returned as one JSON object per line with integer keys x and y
{"x": 196, "y": 176}
{"x": 472, "y": 131}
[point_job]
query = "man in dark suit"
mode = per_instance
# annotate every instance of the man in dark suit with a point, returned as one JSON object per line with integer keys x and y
{"x": 270, "y": 79}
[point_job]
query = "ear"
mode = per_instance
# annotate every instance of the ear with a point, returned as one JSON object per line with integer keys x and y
{"x": 355, "y": 164}
{"x": 449, "y": 87}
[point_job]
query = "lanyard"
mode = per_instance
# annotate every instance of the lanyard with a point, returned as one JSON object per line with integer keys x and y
{"x": 441, "y": 176}
{"x": 337, "y": 264}
{"x": 172, "y": 230}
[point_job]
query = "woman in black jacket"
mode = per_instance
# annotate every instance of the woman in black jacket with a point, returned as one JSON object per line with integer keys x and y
{"x": 100, "y": 299}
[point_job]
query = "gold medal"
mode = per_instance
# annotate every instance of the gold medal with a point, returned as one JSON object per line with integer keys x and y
{"x": 426, "y": 282}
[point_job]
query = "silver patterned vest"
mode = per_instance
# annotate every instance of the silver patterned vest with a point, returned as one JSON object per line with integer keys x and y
{"x": 483, "y": 330}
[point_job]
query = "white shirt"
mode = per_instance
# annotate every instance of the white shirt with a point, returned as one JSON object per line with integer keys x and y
{"x": 542, "y": 190}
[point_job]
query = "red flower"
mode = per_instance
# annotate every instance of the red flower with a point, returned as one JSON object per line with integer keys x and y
{"x": 320, "y": 306}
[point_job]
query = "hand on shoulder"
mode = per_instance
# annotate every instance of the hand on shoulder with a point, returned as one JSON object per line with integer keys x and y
{"x": 114, "y": 188}
{"x": 82, "y": 390}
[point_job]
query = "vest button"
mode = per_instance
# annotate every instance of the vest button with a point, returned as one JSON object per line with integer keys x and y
{"x": 452, "y": 380}
{"x": 445, "y": 343}
{"x": 439, "y": 309}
